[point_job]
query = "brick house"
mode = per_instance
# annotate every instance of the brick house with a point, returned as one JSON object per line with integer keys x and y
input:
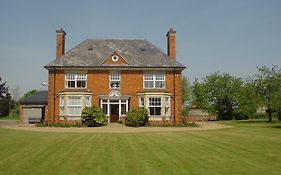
{"x": 116, "y": 75}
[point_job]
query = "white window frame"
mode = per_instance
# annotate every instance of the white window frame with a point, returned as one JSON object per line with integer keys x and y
{"x": 154, "y": 79}
{"x": 75, "y": 78}
{"x": 114, "y": 78}
{"x": 61, "y": 105}
{"x": 155, "y": 105}
{"x": 141, "y": 102}
{"x": 88, "y": 100}
{"x": 73, "y": 107}
{"x": 167, "y": 106}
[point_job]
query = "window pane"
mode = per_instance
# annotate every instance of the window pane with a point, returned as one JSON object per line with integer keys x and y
{"x": 123, "y": 109}
{"x": 148, "y": 77}
{"x": 88, "y": 101}
{"x": 104, "y": 108}
{"x": 81, "y": 77}
{"x": 141, "y": 102}
{"x": 155, "y": 102}
{"x": 114, "y": 77}
{"x": 70, "y": 84}
{"x": 148, "y": 84}
{"x": 70, "y": 77}
{"x": 81, "y": 84}
{"x": 155, "y": 110}
{"x": 74, "y": 106}
{"x": 159, "y": 77}
{"x": 159, "y": 84}
{"x": 114, "y": 84}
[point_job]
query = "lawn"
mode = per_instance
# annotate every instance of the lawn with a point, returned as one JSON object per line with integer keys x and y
{"x": 247, "y": 148}
{"x": 10, "y": 117}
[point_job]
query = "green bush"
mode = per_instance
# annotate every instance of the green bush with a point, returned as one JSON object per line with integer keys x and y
{"x": 93, "y": 116}
{"x": 62, "y": 125}
{"x": 136, "y": 117}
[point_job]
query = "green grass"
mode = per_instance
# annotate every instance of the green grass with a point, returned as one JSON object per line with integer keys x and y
{"x": 247, "y": 148}
{"x": 10, "y": 117}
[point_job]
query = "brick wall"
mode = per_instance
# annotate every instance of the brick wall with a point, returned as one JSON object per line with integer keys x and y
{"x": 98, "y": 84}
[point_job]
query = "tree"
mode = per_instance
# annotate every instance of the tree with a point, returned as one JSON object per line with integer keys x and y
{"x": 268, "y": 88}
{"x": 5, "y": 98}
{"x": 186, "y": 96}
{"x": 247, "y": 101}
{"x": 217, "y": 94}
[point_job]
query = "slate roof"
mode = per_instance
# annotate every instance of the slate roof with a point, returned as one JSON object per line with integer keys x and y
{"x": 40, "y": 98}
{"x": 137, "y": 53}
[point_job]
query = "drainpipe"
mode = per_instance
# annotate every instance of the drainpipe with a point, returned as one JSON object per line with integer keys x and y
{"x": 54, "y": 95}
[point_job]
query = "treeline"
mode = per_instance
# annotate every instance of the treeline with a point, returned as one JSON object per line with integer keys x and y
{"x": 230, "y": 97}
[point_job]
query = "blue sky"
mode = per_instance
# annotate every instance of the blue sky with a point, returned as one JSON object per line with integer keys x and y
{"x": 232, "y": 36}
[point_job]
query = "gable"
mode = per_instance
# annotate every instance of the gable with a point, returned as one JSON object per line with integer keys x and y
{"x": 115, "y": 58}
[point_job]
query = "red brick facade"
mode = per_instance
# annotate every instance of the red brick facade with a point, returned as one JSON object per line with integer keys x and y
{"x": 98, "y": 84}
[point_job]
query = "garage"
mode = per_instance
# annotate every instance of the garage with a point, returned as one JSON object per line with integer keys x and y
{"x": 33, "y": 108}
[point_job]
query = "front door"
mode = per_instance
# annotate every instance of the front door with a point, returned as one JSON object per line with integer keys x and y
{"x": 114, "y": 112}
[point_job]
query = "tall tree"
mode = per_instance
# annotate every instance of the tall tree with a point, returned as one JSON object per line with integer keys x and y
{"x": 247, "y": 101}
{"x": 268, "y": 88}
{"x": 217, "y": 94}
{"x": 5, "y": 98}
{"x": 186, "y": 95}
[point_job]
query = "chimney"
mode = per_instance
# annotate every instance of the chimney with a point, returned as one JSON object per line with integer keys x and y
{"x": 171, "y": 44}
{"x": 60, "y": 42}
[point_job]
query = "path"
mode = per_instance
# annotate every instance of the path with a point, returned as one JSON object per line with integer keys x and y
{"x": 110, "y": 128}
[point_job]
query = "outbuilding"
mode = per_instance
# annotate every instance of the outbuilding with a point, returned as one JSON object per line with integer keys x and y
{"x": 34, "y": 108}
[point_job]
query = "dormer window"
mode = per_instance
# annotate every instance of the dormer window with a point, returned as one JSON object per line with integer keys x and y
{"x": 115, "y": 58}
{"x": 114, "y": 80}
{"x": 75, "y": 81}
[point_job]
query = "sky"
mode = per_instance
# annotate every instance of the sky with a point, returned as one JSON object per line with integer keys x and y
{"x": 233, "y": 36}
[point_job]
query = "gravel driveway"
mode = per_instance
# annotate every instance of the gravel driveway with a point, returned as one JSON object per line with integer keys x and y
{"x": 110, "y": 128}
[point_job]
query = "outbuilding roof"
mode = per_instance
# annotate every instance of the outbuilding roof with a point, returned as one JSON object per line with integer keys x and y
{"x": 93, "y": 52}
{"x": 40, "y": 98}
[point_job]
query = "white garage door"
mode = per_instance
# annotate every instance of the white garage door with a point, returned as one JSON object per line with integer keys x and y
{"x": 32, "y": 115}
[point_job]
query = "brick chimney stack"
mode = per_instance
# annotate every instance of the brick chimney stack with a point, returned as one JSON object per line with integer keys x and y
{"x": 60, "y": 42}
{"x": 171, "y": 43}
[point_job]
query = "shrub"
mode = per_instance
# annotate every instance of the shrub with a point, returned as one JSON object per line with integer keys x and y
{"x": 93, "y": 116}
{"x": 136, "y": 117}
{"x": 62, "y": 125}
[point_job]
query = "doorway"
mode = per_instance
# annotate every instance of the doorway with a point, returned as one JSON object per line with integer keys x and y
{"x": 114, "y": 112}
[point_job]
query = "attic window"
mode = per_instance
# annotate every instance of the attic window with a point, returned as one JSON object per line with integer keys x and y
{"x": 114, "y": 58}
{"x": 142, "y": 49}
{"x": 90, "y": 49}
